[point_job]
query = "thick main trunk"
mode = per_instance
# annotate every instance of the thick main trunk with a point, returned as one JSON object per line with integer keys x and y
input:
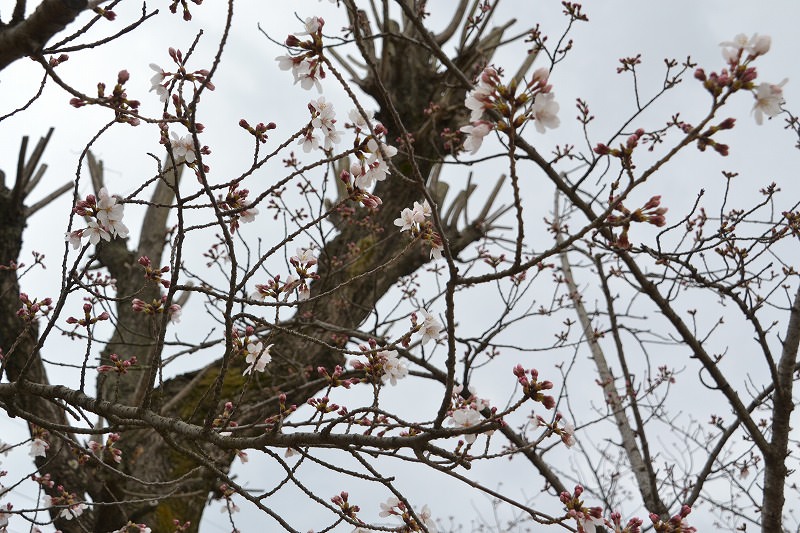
{"x": 775, "y": 471}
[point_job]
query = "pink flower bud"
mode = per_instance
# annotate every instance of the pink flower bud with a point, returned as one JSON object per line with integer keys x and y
{"x": 700, "y": 74}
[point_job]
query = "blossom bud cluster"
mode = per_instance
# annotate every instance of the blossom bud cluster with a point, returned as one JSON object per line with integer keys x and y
{"x": 154, "y": 274}
{"x": 259, "y": 131}
{"x": 88, "y": 319}
{"x": 586, "y": 517}
{"x": 335, "y": 379}
{"x": 173, "y": 7}
{"x": 415, "y": 220}
{"x": 340, "y": 500}
{"x": 625, "y": 151}
{"x": 103, "y": 214}
{"x": 532, "y": 388}
{"x": 323, "y": 405}
{"x": 651, "y": 212}
{"x": 108, "y": 450}
{"x": 676, "y": 524}
{"x": 157, "y": 307}
{"x": 125, "y": 110}
{"x": 31, "y": 308}
{"x": 284, "y": 411}
{"x": 118, "y": 365}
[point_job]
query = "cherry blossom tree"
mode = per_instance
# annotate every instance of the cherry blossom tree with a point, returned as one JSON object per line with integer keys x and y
{"x": 290, "y": 310}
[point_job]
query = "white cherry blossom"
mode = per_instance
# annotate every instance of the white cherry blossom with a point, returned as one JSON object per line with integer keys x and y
{"x": 386, "y": 508}
{"x": 156, "y": 82}
{"x": 95, "y": 232}
{"x": 425, "y": 516}
{"x": 545, "y": 112}
{"x": 769, "y": 98}
{"x": 475, "y": 134}
{"x": 393, "y": 367}
{"x": 73, "y": 511}
{"x": 38, "y": 448}
{"x": 257, "y": 357}
{"x": 183, "y": 147}
{"x": 431, "y": 327}
{"x": 408, "y": 219}
{"x": 359, "y": 121}
{"x": 466, "y": 418}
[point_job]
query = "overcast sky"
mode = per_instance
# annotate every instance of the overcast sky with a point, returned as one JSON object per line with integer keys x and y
{"x": 249, "y": 85}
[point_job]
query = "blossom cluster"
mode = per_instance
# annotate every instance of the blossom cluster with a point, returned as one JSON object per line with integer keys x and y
{"x": 739, "y": 54}
{"x": 415, "y": 220}
{"x": 163, "y": 80}
{"x": 535, "y": 103}
{"x": 466, "y": 410}
{"x": 302, "y": 262}
{"x": 323, "y": 119}
{"x": 395, "y": 507}
{"x": 108, "y": 450}
{"x": 307, "y": 66}
{"x": 372, "y": 153}
{"x": 239, "y": 209}
{"x": 383, "y": 366}
{"x": 256, "y": 355}
{"x": 103, "y": 214}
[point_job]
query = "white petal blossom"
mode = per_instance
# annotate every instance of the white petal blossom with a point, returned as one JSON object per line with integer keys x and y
{"x": 769, "y": 99}
{"x": 38, "y": 448}
{"x": 545, "y": 112}
{"x": 431, "y": 327}
{"x": 95, "y": 232}
{"x": 757, "y": 45}
{"x": 466, "y": 418}
{"x": 257, "y": 357}
{"x": 393, "y": 367}
{"x": 157, "y": 80}
{"x": 73, "y": 511}
{"x": 475, "y": 134}
{"x": 183, "y": 147}
{"x": 386, "y": 508}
